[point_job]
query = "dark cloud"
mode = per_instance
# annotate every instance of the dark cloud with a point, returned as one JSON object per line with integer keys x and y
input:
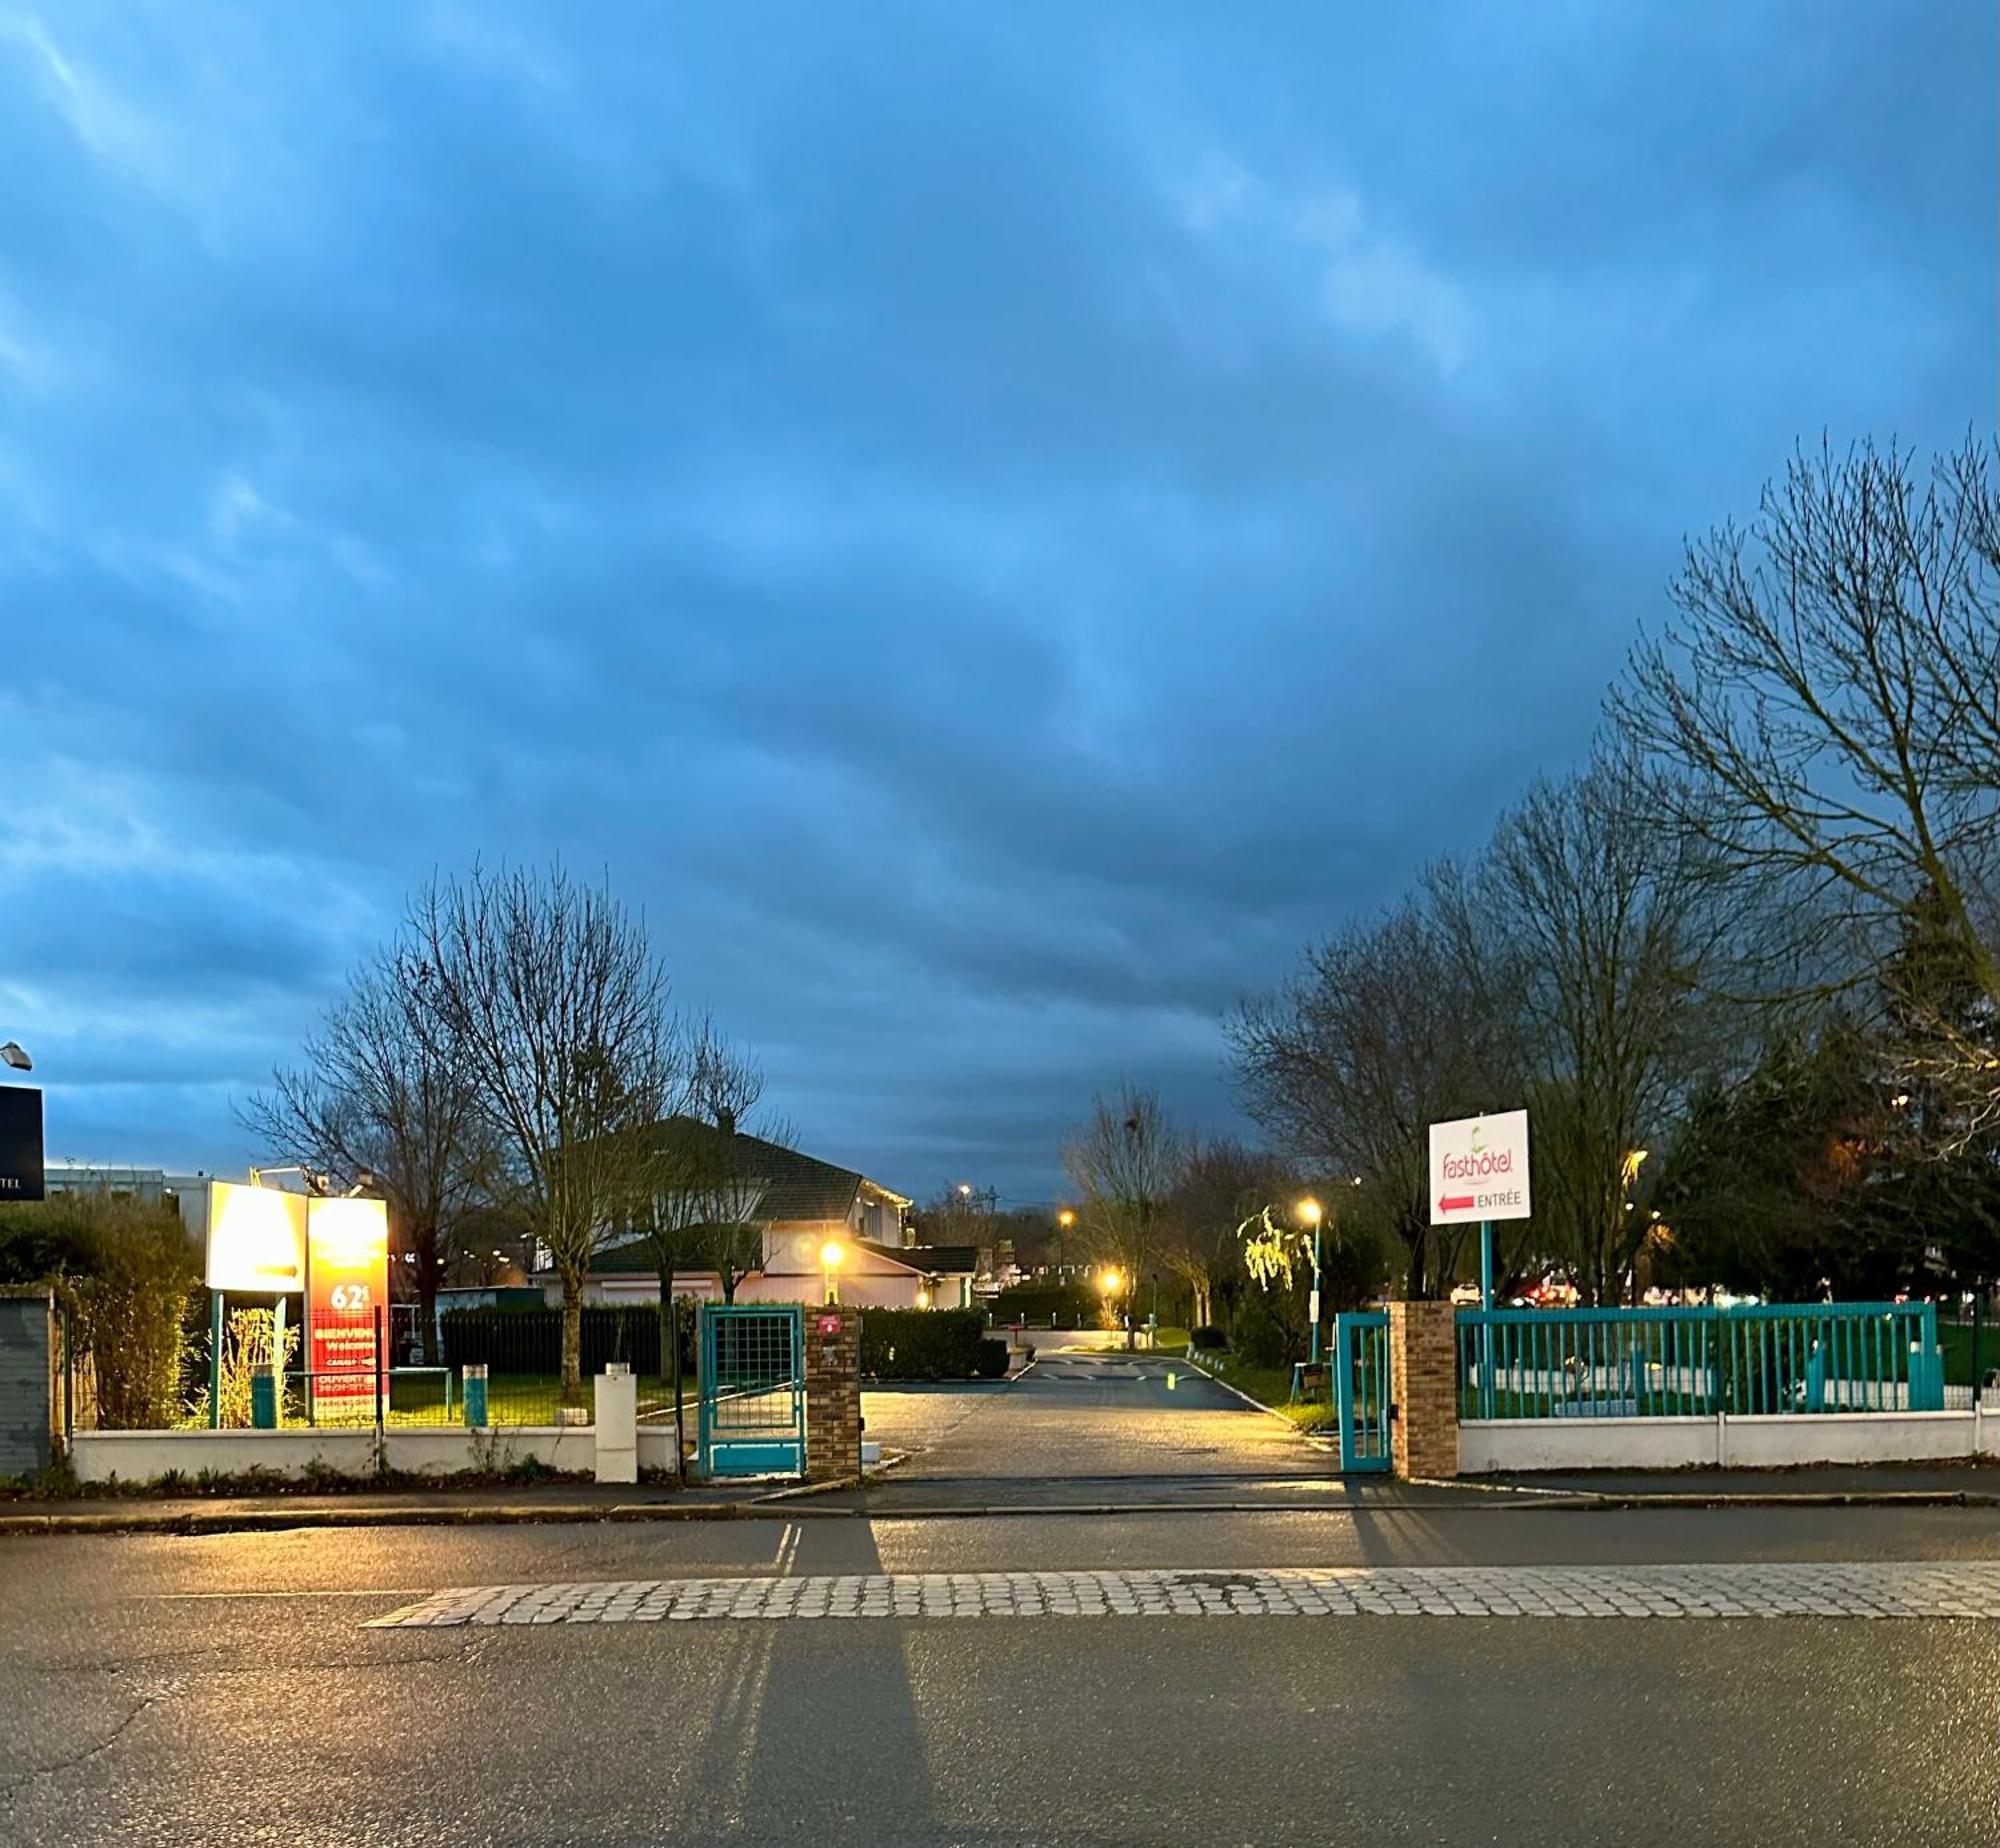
{"x": 992, "y": 530}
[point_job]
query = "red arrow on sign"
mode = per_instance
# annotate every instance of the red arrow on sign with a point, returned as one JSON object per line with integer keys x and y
{"x": 1446, "y": 1204}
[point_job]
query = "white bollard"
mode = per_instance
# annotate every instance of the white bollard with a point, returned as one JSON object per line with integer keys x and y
{"x": 617, "y": 1429}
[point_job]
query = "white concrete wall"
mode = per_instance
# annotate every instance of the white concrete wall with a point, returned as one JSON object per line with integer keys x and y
{"x": 443, "y": 1450}
{"x": 446, "y": 1451}
{"x": 1487, "y": 1445}
{"x": 145, "y": 1456}
{"x": 1847, "y": 1437}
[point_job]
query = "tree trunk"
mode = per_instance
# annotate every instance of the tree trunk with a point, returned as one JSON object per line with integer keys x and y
{"x": 430, "y": 1275}
{"x": 572, "y": 1337}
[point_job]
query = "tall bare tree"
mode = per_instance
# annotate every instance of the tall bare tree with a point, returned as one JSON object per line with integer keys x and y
{"x": 377, "y": 1097}
{"x": 1374, "y": 1039}
{"x": 1221, "y": 1184}
{"x": 1594, "y": 936}
{"x": 1125, "y": 1163}
{"x": 693, "y": 1193}
{"x": 1828, "y": 699}
{"x": 549, "y": 996}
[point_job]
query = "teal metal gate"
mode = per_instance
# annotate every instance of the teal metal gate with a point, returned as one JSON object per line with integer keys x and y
{"x": 1361, "y": 1388}
{"x": 752, "y": 1420}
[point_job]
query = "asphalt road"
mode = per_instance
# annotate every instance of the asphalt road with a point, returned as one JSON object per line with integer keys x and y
{"x": 224, "y": 1689}
{"x": 227, "y": 1688}
{"x": 1085, "y": 1426}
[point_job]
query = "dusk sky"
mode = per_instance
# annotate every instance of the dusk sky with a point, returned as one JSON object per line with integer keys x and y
{"x": 992, "y": 525}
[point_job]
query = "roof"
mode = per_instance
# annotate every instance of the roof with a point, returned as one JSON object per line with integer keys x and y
{"x": 795, "y": 1187}
{"x": 932, "y": 1260}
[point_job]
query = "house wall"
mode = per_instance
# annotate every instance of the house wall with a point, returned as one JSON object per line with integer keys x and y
{"x": 858, "y": 1289}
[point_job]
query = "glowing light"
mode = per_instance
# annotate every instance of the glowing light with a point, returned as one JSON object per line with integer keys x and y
{"x": 832, "y": 1255}
{"x": 1310, "y": 1210}
{"x": 1110, "y": 1281}
{"x": 256, "y": 1239}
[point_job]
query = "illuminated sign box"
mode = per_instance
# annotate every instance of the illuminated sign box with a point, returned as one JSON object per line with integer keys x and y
{"x": 347, "y": 1252}
{"x": 256, "y": 1240}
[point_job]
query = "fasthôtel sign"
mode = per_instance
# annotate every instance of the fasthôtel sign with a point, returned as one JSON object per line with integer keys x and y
{"x": 1479, "y": 1168}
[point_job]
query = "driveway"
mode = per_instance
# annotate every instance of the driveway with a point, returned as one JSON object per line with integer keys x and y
{"x": 1084, "y": 1426}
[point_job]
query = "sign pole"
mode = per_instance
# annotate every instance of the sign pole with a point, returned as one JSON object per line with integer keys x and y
{"x": 1315, "y": 1295}
{"x": 215, "y": 1360}
{"x": 278, "y": 1352}
{"x": 1486, "y": 1303}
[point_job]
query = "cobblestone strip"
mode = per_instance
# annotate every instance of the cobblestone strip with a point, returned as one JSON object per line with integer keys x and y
{"x": 1945, "y": 1589}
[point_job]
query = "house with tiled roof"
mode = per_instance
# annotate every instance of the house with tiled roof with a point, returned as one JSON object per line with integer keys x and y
{"x": 788, "y": 1208}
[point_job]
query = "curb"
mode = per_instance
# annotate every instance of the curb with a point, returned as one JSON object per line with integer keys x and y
{"x": 274, "y": 1520}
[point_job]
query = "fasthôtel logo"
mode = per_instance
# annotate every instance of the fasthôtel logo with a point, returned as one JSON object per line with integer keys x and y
{"x": 1479, "y": 1164}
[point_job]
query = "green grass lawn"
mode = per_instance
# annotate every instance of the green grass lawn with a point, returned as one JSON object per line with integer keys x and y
{"x": 1955, "y": 1338}
{"x": 1271, "y": 1386}
{"x": 416, "y": 1400}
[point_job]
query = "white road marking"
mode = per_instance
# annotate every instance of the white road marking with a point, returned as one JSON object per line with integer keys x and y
{"x": 1929, "y": 1589}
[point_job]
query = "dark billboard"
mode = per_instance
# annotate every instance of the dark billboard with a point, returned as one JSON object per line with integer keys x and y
{"x": 20, "y": 1142}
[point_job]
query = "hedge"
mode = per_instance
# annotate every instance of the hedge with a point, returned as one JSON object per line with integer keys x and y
{"x": 530, "y": 1340}
{"x": 925, "y": 1344}
{"x": 1067, "y": 1305}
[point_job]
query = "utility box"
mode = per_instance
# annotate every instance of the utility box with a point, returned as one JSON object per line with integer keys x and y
{"x": 616, "y": 1394}
{"x": 472, "y": 1379}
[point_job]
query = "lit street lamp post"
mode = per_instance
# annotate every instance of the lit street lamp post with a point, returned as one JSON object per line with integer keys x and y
{"x": 1312, "y": 1213}
{"x": 1109, "y": 1282}
{"x": 832, "y": 1255}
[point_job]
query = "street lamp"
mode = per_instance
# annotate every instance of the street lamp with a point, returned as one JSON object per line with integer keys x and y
{"x": 11, "y": 1054}
{"x": 1312, "y": 1213}
{"x": 1065, "y": 1218}
{"x": 832, "y": 1255}
{"x": 1109, "y": 1282}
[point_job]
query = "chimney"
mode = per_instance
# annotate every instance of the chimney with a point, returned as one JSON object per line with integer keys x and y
{"x": 725, "y": 1119}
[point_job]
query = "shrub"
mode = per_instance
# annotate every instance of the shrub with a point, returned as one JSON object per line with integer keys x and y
{"x": 132, "y": 1272}
{"x": 246, "y": 1349}
{"x": 991, "y": 1361}
{"x": 1208, "y": 1336}
{"x": 1258, "y": 1338}
{"x": 924, "y": 1344}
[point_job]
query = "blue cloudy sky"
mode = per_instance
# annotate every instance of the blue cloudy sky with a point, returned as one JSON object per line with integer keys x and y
{"x": 993, "y": 524}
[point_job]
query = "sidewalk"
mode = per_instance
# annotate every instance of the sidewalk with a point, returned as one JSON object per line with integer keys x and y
{"x": 1974, "y": 1483}
{"x": 1882, "y": 1485}
{"x": 424, "y": 1507}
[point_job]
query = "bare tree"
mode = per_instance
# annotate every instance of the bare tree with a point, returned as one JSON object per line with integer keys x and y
{"x": 692, "y": 1186}
{"x": 1595, "y": 937}
{"x": 1828, "y": 698}
{"x": 378, "y": 1098}
{"x": 1125, "y": 1164}
{"x": 548, "y": 995}
{"x": 1348, "y": 1065}
{"x": 1221, "y": 1185}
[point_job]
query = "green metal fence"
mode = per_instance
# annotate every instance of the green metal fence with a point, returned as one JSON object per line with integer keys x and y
{"x": 1667, "y": 1363}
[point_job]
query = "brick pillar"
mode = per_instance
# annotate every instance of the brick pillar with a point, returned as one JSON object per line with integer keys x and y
{"x": 1423, "y": 1388}
{"x": 833, "y": 1394}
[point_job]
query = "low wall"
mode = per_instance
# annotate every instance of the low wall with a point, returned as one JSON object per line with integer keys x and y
{"x": 447, "y": 1451}
{"x": 1488, "y": 1445}
{"x": 145, "y": 1456}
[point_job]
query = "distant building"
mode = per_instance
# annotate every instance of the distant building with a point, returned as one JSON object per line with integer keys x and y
{"x": 186, "y": 1193}
{"x": 799, "y": 1205}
